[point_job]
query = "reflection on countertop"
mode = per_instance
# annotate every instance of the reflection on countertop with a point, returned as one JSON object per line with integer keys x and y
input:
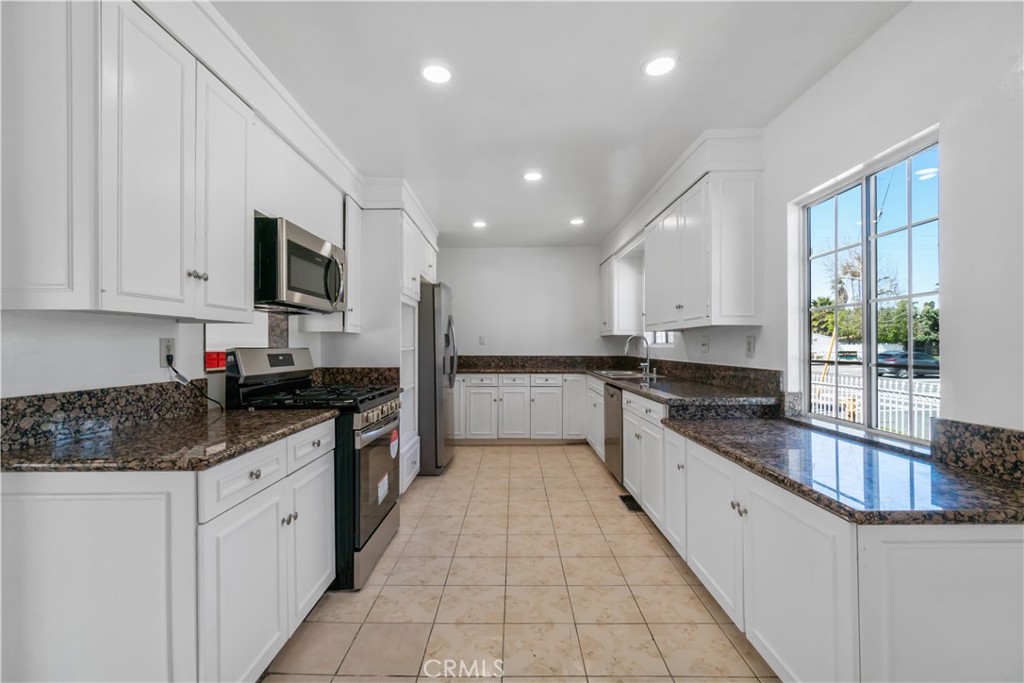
{"x": 187, "y": 443}
{"x": 857, "y": 482}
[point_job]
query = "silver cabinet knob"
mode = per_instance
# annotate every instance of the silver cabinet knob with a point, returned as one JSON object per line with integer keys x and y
{"x": 741, "y": 510}
{"x": 255, "y": 474}
{"x": 192, "y": 273}
{"x": 316, "y": 444}
{"x": 680, "y": 466}
{"x": 350, "y": 310}
{"x": 413, "y": 278}
{"x": 733, "y": 504}
{"x": 295, "y": 515}
{"x": 206, "y": 277}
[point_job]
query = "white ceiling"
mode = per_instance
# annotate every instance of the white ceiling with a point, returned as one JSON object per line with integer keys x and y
{"x": 545, "y": 85}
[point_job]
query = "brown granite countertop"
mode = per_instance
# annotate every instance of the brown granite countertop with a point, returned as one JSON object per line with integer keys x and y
{"x": 855, "y": 481}
{"x": 188, "y": 443}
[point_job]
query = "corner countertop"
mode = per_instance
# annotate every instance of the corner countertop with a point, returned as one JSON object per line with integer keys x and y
{"x": 860, "y": 483}
{"x": 181, "y": 444}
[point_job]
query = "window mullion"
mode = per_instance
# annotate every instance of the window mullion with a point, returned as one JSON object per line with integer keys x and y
{"x": 867, "y": 311}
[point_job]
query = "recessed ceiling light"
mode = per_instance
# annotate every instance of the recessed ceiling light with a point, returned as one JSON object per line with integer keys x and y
{"x": 435, "y": 72}
{"x": 479, "y": 224}
{"x": 532, "y": 176}
{"x": 659, "y": 65}
{"x": 576, "y": 221}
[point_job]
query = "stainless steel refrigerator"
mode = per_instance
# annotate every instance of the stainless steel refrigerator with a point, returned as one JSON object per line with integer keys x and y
{"x": 438, "y": 363}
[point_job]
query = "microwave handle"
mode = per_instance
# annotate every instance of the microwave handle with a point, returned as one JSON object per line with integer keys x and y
{"x": 333, "y": 297}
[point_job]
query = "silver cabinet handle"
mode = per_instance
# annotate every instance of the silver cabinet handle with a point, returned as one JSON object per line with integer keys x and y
{"x": 680, "y": 466}
{"x": 288, "y": 520}
{"x": 255, "y": 474}
{"x": 733, "y": 504}
{"x": 316, "y": 444}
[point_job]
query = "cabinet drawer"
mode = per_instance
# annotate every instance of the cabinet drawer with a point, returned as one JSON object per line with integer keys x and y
{"x": 482, "y": 380}
{"x": 644, "y": 407}
{"x": 514, "y": 380}
{"x": 228, "y": 484}
{"x": 545, "y": 380}
{"x": 310, "y": 444}
{"x": 595, "y": 384}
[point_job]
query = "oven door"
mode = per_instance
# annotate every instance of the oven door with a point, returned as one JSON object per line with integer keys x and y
{"x": 377, "y": 450}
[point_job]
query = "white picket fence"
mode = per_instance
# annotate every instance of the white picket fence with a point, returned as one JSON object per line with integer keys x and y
{"x": 893, "y": 403}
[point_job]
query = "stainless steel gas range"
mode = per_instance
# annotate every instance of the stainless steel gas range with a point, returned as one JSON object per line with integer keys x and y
{"x": 366, "y": 463}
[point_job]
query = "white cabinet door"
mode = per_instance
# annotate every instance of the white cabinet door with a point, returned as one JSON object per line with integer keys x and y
{"x": 457, "y": 416}
{"x": 652, "y": 471}
{"x": 224, "y": 215}
{"x": 800, "y": 585}
{"x": 546, "y": 412}
{"x": 695, "y": 256}
{"x": 574, "y": 406}
{"x": 147, "y": 166}
{"x": 311, "y": 537}
{"x": 654, "y": 258}
{"x": 482, "y": 412}
{"x": 607, "y": 284}
{"x": 714, "y": 530}
{"x": 411, "y": 258}
{"x": 595, "y": 422}
{"x": 243, "y": 587}
{"x": 674, "y": 522}
{"x": 736, "y": 246}
{"x": 670, "y": 272}
{"x": 631, "y": 453}
{"x": 514, "y": 413}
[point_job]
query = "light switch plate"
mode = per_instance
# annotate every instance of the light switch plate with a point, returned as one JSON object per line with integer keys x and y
{"x": 751, "y": 345}
{"x": 705, "y": 344}
{"x": 482, "y": 342}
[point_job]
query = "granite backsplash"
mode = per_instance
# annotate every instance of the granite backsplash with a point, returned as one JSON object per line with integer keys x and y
{"x": 357, "y": 376}
{"x": 765, "y": 382}
{"x": 27, "y": 421}
{"x": 995, "y": 451}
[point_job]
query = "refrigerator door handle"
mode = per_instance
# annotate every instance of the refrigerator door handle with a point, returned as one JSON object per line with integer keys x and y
{"x": 454, "y": 366}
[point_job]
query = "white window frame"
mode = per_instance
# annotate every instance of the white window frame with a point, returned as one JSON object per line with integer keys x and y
{"x": 859, "y": 175}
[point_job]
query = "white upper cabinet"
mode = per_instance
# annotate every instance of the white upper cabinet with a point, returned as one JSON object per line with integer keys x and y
{"x": 412, "y": 258}
{"x": 607, "y": 279}
{"x": 147, "y": 166}
{"x": 703, "y": 256}
{"x": 132, "y": 191}
{"x": 223, "y": 211}
{"x": 622, "y": 293}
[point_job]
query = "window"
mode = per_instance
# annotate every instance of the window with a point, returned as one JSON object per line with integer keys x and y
{"x": 661, "y": 338}
{"x": 873, "y": 299}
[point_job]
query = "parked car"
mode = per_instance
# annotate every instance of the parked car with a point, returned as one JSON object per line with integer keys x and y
{"x": 896, "y": 364}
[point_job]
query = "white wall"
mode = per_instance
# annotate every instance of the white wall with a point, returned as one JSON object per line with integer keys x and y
{"x": 538, "y": 301}
{"x": 957, "y": 65}
{"x": 54, "y": 351}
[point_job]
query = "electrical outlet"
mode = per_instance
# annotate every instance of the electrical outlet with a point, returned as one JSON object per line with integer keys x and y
{"x": 166, "y": 349}
{"x": 482, "y": 342}
{"x": 751, "y": 345}
{"x": 705, "y": 344}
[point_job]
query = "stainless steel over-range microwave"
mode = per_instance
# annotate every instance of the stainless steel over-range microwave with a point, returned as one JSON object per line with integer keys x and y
{"x": 295, "y": 271}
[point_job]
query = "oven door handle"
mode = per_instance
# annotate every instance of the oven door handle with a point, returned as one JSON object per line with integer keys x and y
{"x": 363, "y": 438}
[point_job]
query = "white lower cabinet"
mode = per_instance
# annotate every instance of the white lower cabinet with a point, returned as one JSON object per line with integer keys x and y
{"x": 595, "y": 422}
{"x": 243, "y": 587}
{"x": 481, "y": 412}
{"x": 674, "y": 521}
{"x": 714, "y": 532}
{"x": 652, "y": 471}
{"x": 631, "y": 453}
{"x": 799, "y": 585}
{"x": 574, "y": 413}
{"x": 263, "y": 564}
{"x": 514, "y": 412}
{"x": 546, "y": 412}
{"x": 457, "y": 414}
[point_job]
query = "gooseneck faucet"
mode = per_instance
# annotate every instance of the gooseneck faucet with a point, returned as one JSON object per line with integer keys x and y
{"x": 645, "y": 367}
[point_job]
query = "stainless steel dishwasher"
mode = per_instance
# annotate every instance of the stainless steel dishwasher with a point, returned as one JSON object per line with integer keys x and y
{"x": 613, "y": 431}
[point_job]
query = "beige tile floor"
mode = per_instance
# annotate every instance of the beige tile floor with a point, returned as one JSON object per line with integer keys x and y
{"x": 527, "y": 555}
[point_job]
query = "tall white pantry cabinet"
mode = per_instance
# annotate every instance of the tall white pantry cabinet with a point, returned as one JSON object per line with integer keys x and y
{"x": 125, "y": 183}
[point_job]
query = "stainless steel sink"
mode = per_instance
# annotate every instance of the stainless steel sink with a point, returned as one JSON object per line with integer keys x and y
{"x": 622, "y": 374}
